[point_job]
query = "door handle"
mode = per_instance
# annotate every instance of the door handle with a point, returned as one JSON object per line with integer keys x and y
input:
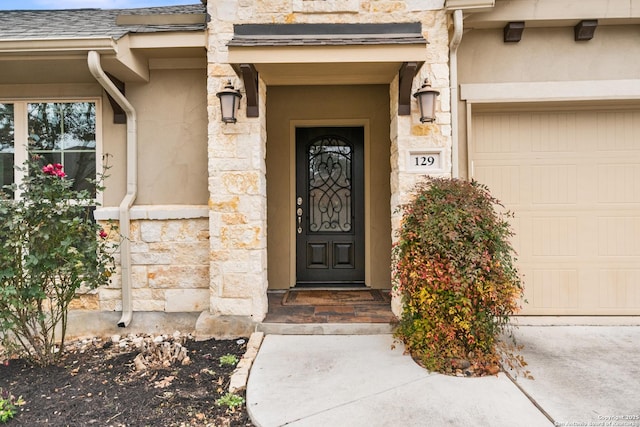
{"x": 299, "y": 213}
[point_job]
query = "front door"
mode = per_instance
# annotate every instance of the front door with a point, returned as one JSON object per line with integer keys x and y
{"x": 330, "y": 206}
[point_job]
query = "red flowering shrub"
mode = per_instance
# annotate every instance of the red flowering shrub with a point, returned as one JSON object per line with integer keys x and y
{"x": 454, "y": 267}
{"x": 49, "y": 249}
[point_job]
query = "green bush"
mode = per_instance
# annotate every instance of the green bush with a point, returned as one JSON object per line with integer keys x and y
{"x": 454, "y": 267}
{"x": 50, "y": 246}
{"x": 8, "y": 405}
{"x": 231, "y": 401}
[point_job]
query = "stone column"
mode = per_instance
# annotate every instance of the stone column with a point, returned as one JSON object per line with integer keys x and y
{"x": 237, "y": 187}
{"x": 408, "y": 134}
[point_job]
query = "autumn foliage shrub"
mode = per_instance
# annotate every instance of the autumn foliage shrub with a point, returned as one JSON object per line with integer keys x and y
{"x": 454, "y": 267}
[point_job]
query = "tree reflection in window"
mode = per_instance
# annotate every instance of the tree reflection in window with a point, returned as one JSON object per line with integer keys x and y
{"x": 7, "y": 145}
{"x": 329, "y": 160}
{"x": 65, "y": 132}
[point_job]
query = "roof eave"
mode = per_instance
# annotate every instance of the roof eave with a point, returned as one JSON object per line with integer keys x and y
{"x": 126, "y": 64}
{"x": 58, "y": 46}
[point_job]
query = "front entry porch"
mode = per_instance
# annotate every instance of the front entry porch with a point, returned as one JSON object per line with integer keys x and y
{"x": 320, "y": 306}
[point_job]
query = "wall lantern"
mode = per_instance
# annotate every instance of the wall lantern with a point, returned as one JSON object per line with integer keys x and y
{"x": 427, "y": 101}
{"x": 229, "y": 102}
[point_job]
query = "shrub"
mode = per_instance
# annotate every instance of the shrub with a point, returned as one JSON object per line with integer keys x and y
{"x": 8, "y": 405}
{"x": 454, "y": 267}
{"x": 231, "y": 401}
{"x": 49, "y": 247}
{"x": 229, "y": 360}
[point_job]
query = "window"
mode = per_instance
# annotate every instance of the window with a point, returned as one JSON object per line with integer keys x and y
{"x": 7, "y": 145}
{"x": 58, "y": 132}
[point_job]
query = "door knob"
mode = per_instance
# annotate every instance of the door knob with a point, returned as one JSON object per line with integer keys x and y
{"x": 299, "y": 213}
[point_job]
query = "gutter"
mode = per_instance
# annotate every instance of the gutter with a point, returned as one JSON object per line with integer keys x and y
{"x": 456, "y": 38}
{"x": 93, "y": 60}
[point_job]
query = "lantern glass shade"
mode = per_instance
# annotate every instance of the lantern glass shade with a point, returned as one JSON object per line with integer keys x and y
{"x": 426, "y": 98}
{"x": 229, "y": 103}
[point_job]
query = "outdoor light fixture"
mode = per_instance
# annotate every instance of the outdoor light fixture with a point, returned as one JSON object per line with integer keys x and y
{"x": 427, "y": 101}
{"x": 229, "y": 102}
{"x": 585, "y": 29}
{"x": 512, "y": 32}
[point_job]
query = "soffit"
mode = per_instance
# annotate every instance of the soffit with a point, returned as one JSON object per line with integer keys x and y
{"x": 294, "y": 54}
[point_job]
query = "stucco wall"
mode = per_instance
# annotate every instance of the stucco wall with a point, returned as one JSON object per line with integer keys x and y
{"x": 549, "y": 54}
{"x": 172, "y": 140}
{"x": 172, "y": 134}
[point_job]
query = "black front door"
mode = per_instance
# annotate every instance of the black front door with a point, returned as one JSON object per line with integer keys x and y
{"x": 330, "y": 206}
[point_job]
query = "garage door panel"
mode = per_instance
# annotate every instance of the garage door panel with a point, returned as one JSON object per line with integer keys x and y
{"x": 554, "y": 184}
{"x": 502, "y": 142}
{"x": 572, "y": 178}
{"x": 555, "y": 236}
{"x": 617, "y": 130}
{"x": 619, "y": 236}
{"x": 619, "y": 288}
{"x": 554, "y": 133}
{"x": 553, "y": 288}
{"x": 503, "y": 182}
{"x": 618, "y": 183}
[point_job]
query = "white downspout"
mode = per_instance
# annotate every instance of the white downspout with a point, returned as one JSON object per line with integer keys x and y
{"x": 93, "y": 60}
{"x": 456, "y": 38}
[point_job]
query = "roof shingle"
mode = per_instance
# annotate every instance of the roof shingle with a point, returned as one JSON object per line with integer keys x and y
{"x": 251, "y": 35}
{"x": 90, "y": 23}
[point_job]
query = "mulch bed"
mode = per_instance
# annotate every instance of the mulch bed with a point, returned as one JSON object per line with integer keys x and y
{"x": 96, "y": 383}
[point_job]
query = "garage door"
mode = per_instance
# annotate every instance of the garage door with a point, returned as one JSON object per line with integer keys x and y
{"x": 572, "y": 178}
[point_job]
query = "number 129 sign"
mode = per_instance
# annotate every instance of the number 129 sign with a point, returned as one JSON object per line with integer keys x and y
{"x": 425, "y": 162}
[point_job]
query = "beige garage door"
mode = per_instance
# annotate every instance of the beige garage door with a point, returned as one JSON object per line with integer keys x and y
{"x": 573, "y": 180}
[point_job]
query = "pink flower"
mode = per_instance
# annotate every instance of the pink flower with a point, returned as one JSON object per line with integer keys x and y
{"x": 103, "y": 234}
{"x": 54, "y": 170}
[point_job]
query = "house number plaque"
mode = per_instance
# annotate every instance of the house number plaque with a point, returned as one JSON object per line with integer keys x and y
{"x": 425, "y": 161}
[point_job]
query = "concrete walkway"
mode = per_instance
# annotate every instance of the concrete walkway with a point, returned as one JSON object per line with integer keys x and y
{"x": 582, "y": 375}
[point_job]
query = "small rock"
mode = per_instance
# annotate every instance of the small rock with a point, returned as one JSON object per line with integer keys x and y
{"x": 115, "y": 339}
{"x": 158, "y": 339}
{"x": 460, "y": 363}
{"x": 139, "y": 363}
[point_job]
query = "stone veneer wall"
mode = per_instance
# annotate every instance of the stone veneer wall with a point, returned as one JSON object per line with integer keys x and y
{"x": 237, "y": 173}
{"x": 170, "y": 262}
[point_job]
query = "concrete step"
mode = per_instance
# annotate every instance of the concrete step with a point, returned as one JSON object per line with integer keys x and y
{"x": 325, "y": 328}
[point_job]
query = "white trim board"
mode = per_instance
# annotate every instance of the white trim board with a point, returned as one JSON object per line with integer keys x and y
{"x": 551, "y": 91}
